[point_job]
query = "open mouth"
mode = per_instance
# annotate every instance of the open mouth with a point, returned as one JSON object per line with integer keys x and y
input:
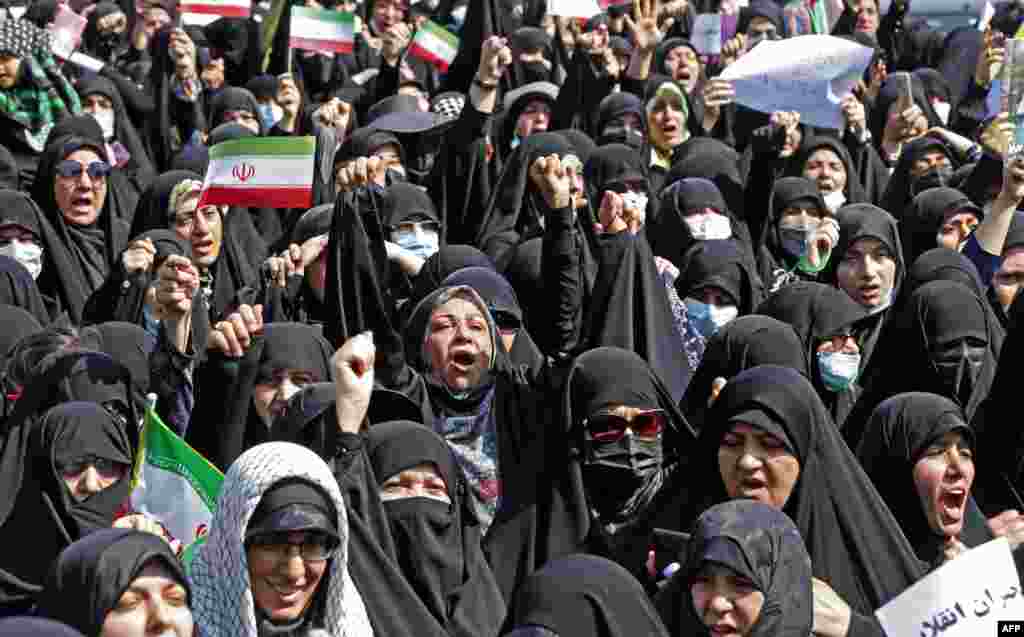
{"x": 82, "y": 201}
{"x": 463, "y": 360}
{"x": 871, "y": 292}
{"x": 952, "y": 504}
{"x": 722, "y": 629}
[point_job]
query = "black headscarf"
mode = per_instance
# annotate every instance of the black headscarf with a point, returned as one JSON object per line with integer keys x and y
{"x": 608, "y": 129}
{"x": 923, "y": 218}
{"x": 899, "y": 433}
{"x": 404, "y": 201}
{"x": 88, "y": 579}
{"x": 709, "y": 158}
{"x": 854, "y": 190}
{"x": 584, "y": 595}
{"x": 25, "y": 626}
{"x": 8, "y": 170}
{"x": 720, "y": 263}
{"x": 126, "y": 343}
{"x": 105, "y": 46}
{"x": 610, "y": 165}
{"x": 743, "y": 343}
{"x": 437, "y": 545}
{"x": 759, "y": 543}
{"x": 19, "y": 289}
{"x": 15, "y": 324}
{"x": 87, "y": 254}
{"x": 234, "y": 99}
{"x": 818, "y": 312}
{"x": 447, "y": 260}
{"x": 937, "y": 315}
{"x": 899, "y": 192}
{"x": 776, "y": 266}
{"x": 558, "y": 514}
{"x": 854, "y": 542}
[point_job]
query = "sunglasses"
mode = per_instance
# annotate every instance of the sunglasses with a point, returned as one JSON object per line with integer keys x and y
{"x": 71, "y": 168}
{"x": 605, "y": 427}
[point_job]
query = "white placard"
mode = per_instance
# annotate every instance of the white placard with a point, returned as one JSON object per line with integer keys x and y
{"x": 809, "y": 74}
{"x": 86, "y": 62}
{"x": 707, "y": 34}
{"x": 66, "y": 31}
{"x": 963, "y": 598}
{"x": 574, "y": 8}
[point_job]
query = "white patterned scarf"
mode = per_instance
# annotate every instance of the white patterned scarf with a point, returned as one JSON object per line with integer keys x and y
{"x": 222, "y": 601}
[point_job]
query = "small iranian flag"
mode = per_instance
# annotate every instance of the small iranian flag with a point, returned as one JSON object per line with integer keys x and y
{"x": 322, "y": 30}
{"x": 260, "y": 172}
{"x": 604, "y": 4}
{"x": 173, "y": 483}
{"x": 215, "y": 8}
{"x": 435, "y": 44}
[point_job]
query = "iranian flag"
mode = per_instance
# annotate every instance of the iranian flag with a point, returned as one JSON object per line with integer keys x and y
{"x": 434, "y": 44}
{"x": 260, "y": 172}
{"x": 216, "y": 8}
{"x": 322, "y": 30}
{"x": 604, "y": 4}
{"x": 173, "y": 483}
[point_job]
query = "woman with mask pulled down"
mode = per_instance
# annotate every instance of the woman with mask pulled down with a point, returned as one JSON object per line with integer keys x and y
{"x": 747, "y": 573}
{"x": 868, "y": 265}
{"x": 943, "y": 342}
{"x": 616, "y": 463}
{"x": 920, "y": 448}
{"x": 692, "y": 210}
{"x": 826, "y": 321}
{"x": 119, "y": 583}
{"x": 747, "y": 342}
{"x": 798, "y": 236}
{"x": 276, "y": 559}
{"x": 769, "y": 438}
{"x": 583, "y": 595}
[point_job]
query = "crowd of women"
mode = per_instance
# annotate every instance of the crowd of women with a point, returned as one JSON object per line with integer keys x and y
{"x": 567, "y": 343}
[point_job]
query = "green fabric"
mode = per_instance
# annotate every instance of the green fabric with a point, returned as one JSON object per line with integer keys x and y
{"x": 42, "y": 96}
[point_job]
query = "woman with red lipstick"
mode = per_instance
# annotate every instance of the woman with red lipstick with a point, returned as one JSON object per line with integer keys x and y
{"x": 918, "y": 446}
{"x": 747, "y": 574}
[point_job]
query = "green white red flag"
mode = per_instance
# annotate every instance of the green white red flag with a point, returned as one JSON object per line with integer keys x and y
{"x": 322, "y": 30}
{"x": 220, "y": 8}
{"x": 260, "y": 172}
{"x": 435, "y": 44}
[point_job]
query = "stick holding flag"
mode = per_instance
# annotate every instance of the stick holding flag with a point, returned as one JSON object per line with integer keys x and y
{"x": 434, "y": 44}
{"x": 260, "y": 172}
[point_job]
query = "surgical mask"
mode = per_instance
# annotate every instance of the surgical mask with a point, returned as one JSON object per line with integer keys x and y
{"x": 27, "y": 254}
{"x": 936, "y": 177}
{"x": 834, "y": 200}
{"x": 637, "y": 200}
{"x": 708, "y": 319}
{"x": 105, "y": 119}
{"x": 942, "y": 109}
{"x": 838, "y": 370}
{"x": 422, "y": 243}
{"x": 709, "y": 227}
{"x": 958, "y": 368}
{"x": 269, "y": 115}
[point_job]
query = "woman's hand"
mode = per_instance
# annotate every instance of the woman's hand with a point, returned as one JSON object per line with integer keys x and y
{"x": 831, "y": 613}
{"x": 1008, "y": 524}
{"x": 233, "y": 335}
{"x": 353, "y": 381}
{"x": 552, "y": 180}
{"x": 139, "y": 256}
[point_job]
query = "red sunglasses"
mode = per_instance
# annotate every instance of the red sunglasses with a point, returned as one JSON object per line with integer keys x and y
{"x": 611, "y": 427}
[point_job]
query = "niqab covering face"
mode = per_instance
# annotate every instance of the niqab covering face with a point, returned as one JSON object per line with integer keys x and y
{"x": 89, "y": 577}
{"x": 222, "y": 600}
{"x": 758, "y": 543}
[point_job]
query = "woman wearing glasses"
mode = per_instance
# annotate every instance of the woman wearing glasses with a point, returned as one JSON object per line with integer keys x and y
{"x": 276, "y": 559}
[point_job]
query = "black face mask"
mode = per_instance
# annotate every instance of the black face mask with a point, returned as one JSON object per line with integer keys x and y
{"x": 110, "y": 42}
{"x": 620, "y": 476}
{"x": 535, "y": 72}
{"x": 936, "y": 177}
{"x": 958, "y": 368}
{"x": 428, "y": 541}
{"x": 615, "y": 134}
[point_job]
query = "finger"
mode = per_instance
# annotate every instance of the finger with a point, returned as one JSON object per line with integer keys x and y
{"x": 232, "y": 347}
{"x": 667, "y": 25}
{"x": 219, "y": 342}
{"x": 241, "y": 330}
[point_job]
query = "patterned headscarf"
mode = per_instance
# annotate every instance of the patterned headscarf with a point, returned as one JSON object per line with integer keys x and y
{"x": 222, "y": 601}
{"x": 21, "y": 38}
{"x": 448, "y": 105}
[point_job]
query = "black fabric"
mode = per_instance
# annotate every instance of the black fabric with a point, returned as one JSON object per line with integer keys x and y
{"x": 723, "y": 264}
{"x": 708, "y": 158}
{"x": 25, "y": 626}
{"x": 937, "y": 315}
{"x": 585, "y": 595}
{"x": 925, "y": 216}
{"x": 899, "y": 433}
{"x": 555, "y": 516}
{"x": 49, "y": 421}
{"x": 440, "y": 265}
{"x": 774, "y": 264}
{"x": 745, "y": 342}
{"x": 607, "y": 124}
{"x": 898, "y": 193}
{"x": 234, "y": 99}
{"x": 818, "y": 312}
{"x": 126, "y": 343}
{"x": 19, "y": 289}
{"x": 758, "y": 543}
{"x": 855, "y": 190}
{"x": 17, "y": 323}
{"x": 403, "y": 202}
{"x": 79, "y": 257}
{"x": 437, "y": 544}
{"x": 854, "y": 542}
{"x": 89, "y": 577}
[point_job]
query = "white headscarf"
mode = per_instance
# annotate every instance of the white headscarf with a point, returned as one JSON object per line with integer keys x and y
{"x": 222, "y": 601}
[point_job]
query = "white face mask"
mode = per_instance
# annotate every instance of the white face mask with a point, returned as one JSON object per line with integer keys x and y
{"x": 105, "y": 119}
{"x": 834, "y": 200}
{"x": 709, "y": 227}
{"x": 707, "y": 318}
{"x": 26, "y": 253}
{"x": 422, "y": 243}
{"x": 942, "y": 109}
{"x": 636, "y": 201}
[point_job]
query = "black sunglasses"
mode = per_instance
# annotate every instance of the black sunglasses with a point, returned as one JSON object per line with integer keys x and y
{"x": 71, "y": 168}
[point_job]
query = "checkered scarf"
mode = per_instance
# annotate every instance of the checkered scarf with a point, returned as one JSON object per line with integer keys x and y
{"x": 448, "y": 105}
{"x": 42, "y": 95}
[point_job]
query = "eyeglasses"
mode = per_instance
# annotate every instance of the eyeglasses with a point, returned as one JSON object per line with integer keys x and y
{"x": 315, "y": 547}
{"x": 607, "y": 427}
{"x": 70, "y": 168}
{"x": 80, "y": 464}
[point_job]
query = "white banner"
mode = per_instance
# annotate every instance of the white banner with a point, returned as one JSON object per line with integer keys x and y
{"x": 809, "y": 74}
{"x": 963, "y": 598}
{"x": 573, "y": 8}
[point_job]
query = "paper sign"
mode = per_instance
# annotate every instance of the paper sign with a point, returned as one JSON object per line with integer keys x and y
{"x": 86, "y": 62}
{"x": 987, "y": 13}
{"x": 963, "y": 598}
{"x": 810, "y": 74}
{"x": 707, "y": 33}
{"x": 66, "y": 30}
{"x": 574, "y": 8}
